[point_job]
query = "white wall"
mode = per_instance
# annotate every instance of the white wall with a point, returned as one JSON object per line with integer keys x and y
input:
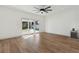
{"x": 63, "y": 21}
{"x": 10, "y": 21}
{"x": 57, "y": 22}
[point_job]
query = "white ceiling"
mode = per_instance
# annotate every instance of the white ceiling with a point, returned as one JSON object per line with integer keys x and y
{"x": 30, "y": 8}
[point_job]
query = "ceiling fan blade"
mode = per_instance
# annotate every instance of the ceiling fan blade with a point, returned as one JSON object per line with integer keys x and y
{"x": 49, "y": 10}
{"x": 48, "y": 7}
{"x": 36, "y": 8}
{"x": 37, "y": 11}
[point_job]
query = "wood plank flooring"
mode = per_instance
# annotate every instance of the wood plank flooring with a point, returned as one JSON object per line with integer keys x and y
{"x": 40, "y": 43}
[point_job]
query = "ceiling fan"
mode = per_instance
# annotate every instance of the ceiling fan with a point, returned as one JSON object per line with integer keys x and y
{"x": 44, "y": 9}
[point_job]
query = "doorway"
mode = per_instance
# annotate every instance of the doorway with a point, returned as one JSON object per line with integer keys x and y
{"x": 30, "y": 26}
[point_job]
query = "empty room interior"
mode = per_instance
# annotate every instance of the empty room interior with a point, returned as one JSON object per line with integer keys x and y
{"x": 39, "y": 28}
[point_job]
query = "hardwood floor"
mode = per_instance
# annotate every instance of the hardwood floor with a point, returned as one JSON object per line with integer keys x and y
{"x": 40, "y": 43}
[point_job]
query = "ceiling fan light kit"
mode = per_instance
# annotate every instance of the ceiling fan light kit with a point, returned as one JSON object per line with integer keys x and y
{"x": 43, "y": 9}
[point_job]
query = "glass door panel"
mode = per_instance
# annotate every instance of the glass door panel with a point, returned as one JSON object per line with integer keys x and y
{"x": 30, "y": 26}
{"x": 37, "y": 26}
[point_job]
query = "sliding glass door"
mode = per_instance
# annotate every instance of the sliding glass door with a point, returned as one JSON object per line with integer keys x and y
{"x": 30, "y": 26}
{"x": 36, "y": 26}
